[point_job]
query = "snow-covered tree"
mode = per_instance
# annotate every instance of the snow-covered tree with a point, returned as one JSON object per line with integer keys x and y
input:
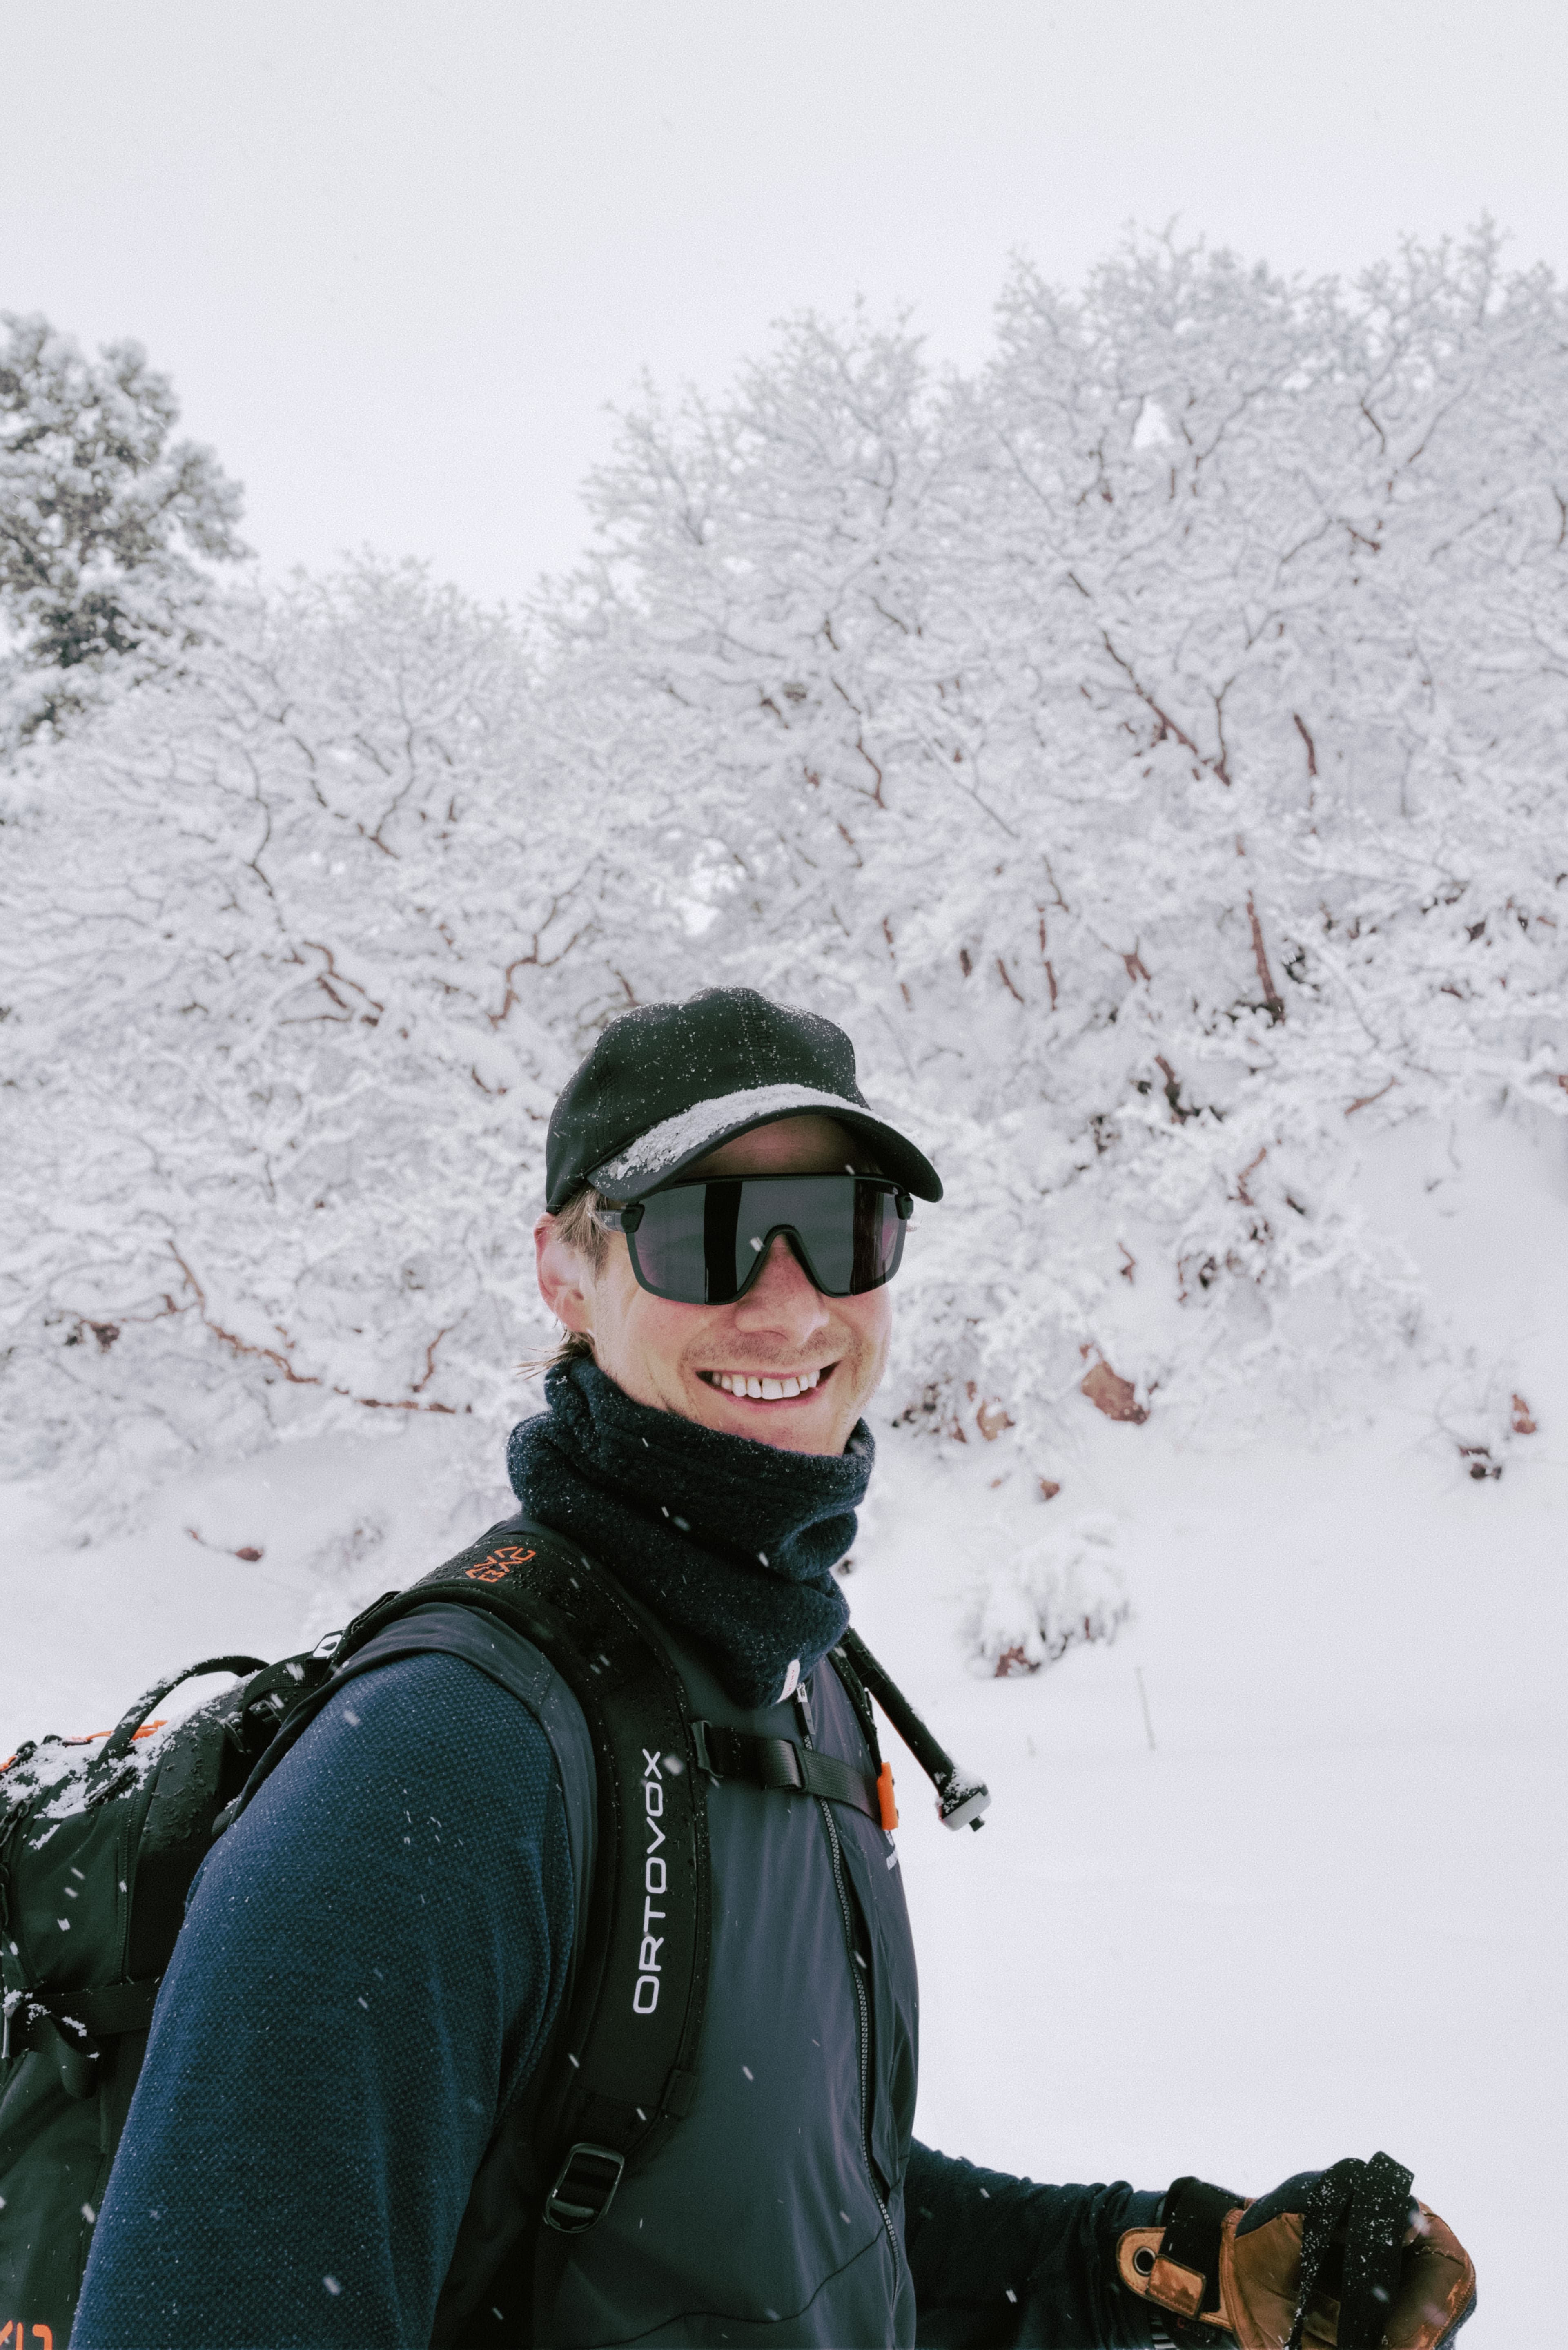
{"x": 101, "y": 515}
{"x": 1152, "y": 748}
{"x": 278, "y": 1067}
{"x": 1156, "y": 748}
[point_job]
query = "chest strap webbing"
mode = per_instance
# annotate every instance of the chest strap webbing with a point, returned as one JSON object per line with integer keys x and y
{"x": 781, "y": 1762}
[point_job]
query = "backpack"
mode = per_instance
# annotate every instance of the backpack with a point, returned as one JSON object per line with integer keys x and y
{"x": 99, "y": 1839}
{"x": 99, "y": 1842}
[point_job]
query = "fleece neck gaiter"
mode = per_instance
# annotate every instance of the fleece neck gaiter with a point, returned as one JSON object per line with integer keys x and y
{"x": 731, "y": 1541}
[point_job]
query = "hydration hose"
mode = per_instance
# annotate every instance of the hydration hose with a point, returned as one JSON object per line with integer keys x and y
{"x": 960, "y": 1797}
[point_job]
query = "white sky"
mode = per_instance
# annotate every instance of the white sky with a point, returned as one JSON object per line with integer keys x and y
{"x": 398, "y": 258}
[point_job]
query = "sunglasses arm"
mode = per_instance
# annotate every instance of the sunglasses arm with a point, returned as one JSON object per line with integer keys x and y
{"x": 621, "y": 1220}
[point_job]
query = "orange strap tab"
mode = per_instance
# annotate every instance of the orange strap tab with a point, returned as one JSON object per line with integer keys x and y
{"x": 885, "y": 1797}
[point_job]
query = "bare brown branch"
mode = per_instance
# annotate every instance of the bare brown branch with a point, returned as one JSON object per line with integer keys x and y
{"x": 1251, "y": 1167}
{"x": 281, "y": 1362}
{"x": 1273, "y": 1004}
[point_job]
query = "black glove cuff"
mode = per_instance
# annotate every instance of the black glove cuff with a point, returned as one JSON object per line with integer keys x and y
{"x": 1195, "y": 2216}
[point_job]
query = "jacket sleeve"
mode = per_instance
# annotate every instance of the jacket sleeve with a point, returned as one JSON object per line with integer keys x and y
{"x": 1000, "y": 2264}
{"x": 372, "y": 1962}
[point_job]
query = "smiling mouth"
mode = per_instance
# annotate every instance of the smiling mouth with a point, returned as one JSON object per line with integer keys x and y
{"x": 756, "y": 1387}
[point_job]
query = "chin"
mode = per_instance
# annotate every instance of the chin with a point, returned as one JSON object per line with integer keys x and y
{"x": 822, "y": 1442}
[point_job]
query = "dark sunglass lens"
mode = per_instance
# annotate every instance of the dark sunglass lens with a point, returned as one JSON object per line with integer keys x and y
{"x": 671, "y": 1246}
{"x": 879, "y": 1230}
{"x": 849, "y": 1230}
{"x": 823, "y": 1210}
{"x": 721, "y": 1251}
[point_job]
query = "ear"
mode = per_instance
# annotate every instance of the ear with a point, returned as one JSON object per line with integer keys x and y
{"x": 564, "y": 1278}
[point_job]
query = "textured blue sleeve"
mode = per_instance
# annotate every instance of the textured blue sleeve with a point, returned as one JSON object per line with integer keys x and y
{"x": 372, "y": 1960}
{"x": 1002, "y": 2264}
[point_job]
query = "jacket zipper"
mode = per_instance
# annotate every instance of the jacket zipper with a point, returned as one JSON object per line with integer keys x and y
{"x": 856, "y": 1977}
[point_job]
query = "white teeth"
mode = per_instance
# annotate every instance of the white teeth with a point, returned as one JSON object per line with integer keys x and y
{"x": 772, "y": 1389}
{"x": 769, "y": 1391}
{"x": 789, "y": 1387}
{"x": 754, "y": 1388}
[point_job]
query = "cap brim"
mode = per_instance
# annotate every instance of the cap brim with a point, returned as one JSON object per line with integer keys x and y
{"x": 664, "y": 1153}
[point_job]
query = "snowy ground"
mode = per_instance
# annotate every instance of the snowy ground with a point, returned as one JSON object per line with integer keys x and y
{"x": 1323, "y": 1914}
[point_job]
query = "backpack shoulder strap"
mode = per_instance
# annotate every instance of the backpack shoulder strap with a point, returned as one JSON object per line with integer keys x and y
{"x": 624, "y": 2073}
{"x": 855, "y": 1691}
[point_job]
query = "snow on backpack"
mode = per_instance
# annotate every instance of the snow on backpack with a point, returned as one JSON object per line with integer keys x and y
{"x": 99, "y": 1840}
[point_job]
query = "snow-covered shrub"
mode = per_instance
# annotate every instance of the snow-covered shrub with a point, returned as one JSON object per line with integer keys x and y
{"x": 1044, "y": 1595}
{"x": 302, "y": 945}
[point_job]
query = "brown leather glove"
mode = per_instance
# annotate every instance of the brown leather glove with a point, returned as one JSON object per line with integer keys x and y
{"x": 1334, "y": 2260}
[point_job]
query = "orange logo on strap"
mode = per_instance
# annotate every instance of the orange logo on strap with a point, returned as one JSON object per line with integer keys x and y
{"x": 497, "y": 1565}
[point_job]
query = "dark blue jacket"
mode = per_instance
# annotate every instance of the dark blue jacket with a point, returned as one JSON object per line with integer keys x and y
{"x": 375, "y": 1953}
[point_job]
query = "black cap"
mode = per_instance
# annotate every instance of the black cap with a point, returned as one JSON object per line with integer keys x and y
{"x": 669, "y": 1082}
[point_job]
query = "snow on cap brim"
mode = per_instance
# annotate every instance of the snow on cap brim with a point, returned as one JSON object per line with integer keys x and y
{"x": 666, "y": 1150}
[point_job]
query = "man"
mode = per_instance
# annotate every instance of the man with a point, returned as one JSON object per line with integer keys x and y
{"x": 375, "y": 1953}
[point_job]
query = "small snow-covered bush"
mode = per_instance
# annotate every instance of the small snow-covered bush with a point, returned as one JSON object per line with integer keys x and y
{"x": 1044, "y": 1595}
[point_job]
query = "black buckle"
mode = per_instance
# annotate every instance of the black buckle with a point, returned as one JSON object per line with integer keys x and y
{"x": 31, "y": 2026}
{"x": 584, "y": 2188}
{"x": 705, "y": 1757}
{"x": 23, "y": 2015}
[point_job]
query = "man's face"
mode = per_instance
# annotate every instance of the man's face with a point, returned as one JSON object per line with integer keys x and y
{"x": 672, "y": 1356}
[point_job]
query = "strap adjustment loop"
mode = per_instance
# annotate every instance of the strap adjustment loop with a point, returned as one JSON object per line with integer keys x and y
{"x": 584, "y": 2190}
{"x": 793, "y": 1770}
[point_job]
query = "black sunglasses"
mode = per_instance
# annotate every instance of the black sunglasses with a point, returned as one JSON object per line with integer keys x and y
{"x": 703, "y": 1244}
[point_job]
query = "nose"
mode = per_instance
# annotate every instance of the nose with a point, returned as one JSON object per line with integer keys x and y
{"x": 783, "y": 1297}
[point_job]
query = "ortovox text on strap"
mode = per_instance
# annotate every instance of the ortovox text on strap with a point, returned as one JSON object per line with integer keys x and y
{"x": 622, "y": 2077}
